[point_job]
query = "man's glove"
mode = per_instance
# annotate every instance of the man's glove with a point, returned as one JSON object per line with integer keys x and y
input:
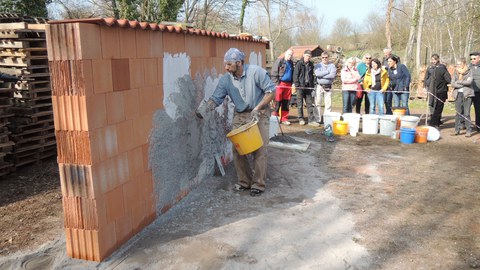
{"x": 204, "y": 108}
{"x": 255, "y": 114}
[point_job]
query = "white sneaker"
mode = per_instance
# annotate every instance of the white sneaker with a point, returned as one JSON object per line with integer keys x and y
{"x": 301, "y": 122}
{"x": 315, "y": 124}
{"x": 286, "y": 123}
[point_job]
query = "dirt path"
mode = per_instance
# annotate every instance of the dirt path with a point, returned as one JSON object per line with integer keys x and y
{"x": 365, "y": 202}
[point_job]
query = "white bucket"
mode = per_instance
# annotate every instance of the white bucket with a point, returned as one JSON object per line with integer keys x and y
{"x": 353, "y": 120}
{"x": 273, "y": 129}
{"x": 388, "y": 123}
{"x": 370, "y": 124}
{"x": 409, "y": 121}
{"x": 329, "y": 117}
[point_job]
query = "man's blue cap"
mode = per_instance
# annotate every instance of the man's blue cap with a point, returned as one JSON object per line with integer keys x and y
{"x": 234, "y": 54}
{"x": 475, "y": 53}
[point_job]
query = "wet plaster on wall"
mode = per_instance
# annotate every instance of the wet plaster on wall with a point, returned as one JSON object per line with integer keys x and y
{"x": 182, "y": 147}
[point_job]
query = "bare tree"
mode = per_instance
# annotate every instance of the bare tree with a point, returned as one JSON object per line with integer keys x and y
{"x": 388, "y": 24}
{"x": 278, "y": 14}
{"x": 413, "y": 31}
{"x": 421, "y": 19}
{"x": 309, "y": 28}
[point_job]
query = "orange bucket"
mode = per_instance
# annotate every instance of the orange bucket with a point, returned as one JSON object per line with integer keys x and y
{"x": 399, "y": 112}
{"x": 421, "y": 135}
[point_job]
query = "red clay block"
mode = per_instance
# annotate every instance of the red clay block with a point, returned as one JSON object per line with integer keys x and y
{"x": 160, "y": 70}
{"x": 125, "y": 140}
{"x": 173, "y": 43}
{"x": 82, "y": 105}
{"x": 138, "y": 216}
{"x": 144, "y": 43}
{"x": 131, "y": 194}
{"x": 142, "y": 128}
{"x": 121, "y": 168}
{"x": 104, "y": 142}
{"x": 70, "y": 41}
{"x": 158, "y": 100}
{"x": 101, "y": 211}
{"x": 56, "y": 113}
{"x": 55, "y": 43}
{"x": 48, "y": 38}
{"x": 157, "y": 44}
{"x": 151, "y": 99}
{"x": 115, "y": 107}
{"x": 147, "y": 183}
{"x": 120, "y": 74}
{"x": 135, "y": 162}
{"x": 128, "y": 44}
{"x": 69, "y": 241}
{"x": 110, "y": 41}
{"x": 137, "y": 73}
{"x": 198, "y": 46}
{"x": 106, "y": 239}
{"x": 76, "y": 113}
{"x": 145, "y": 152}
{"x": 132, "y": 105}
{"x": 88, "y": 41}
{"x": 61, "y": 119}
{"x": 68, "y": 113}
{"x": 102, "y": 76}
{"x": 96, "y": 111}
{"x": 115, "y": 204}
{"x": 87, "y": 75}
{"x": 151, "y": 73}
{"x": 123, "y": 228}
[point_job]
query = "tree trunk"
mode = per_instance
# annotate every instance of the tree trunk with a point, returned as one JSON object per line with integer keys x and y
{"x": 242, "y": 14}
{"x": 413, "y": 31}
{"x": 388, "y": 24}
{"x": 115, "y": 9}
{"x": 421, "y": 19}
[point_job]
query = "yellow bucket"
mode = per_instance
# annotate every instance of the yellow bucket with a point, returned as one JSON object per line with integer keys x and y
{"x": 340, "y": 127}
{"x": 246, "y": 138}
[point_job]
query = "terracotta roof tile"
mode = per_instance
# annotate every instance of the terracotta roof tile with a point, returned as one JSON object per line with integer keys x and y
{"x": 123, "y": 23}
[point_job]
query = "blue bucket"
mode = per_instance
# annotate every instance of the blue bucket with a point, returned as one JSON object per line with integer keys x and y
{"x": 407, "y": 135}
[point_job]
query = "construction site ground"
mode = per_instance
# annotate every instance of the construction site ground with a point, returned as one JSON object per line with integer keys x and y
{"x": 365, "y": 202}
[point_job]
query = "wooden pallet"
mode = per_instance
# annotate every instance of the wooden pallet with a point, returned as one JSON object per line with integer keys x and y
{"x": 6, "y": 147}
{"x": 39, "y": 134}
{"x": 6, "y": 168}
{"x": 25, "y": 120}
{"x": 31, "y": 156}
{"x": 16, "y": 128}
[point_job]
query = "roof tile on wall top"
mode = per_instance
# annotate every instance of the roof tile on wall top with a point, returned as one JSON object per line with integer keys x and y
{"x": 111, "y": 22}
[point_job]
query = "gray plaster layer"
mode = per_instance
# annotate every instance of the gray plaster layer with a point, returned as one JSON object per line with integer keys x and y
{"x": 295, "y": 224}
{"x": 182, "y": 150}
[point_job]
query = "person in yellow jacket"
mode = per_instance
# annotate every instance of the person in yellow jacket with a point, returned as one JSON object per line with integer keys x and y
{"x": 375, "y": 83}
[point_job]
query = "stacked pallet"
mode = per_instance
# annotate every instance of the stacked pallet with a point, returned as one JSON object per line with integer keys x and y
{"x": 6, "y": 145}
{"x": 23, "y": 52}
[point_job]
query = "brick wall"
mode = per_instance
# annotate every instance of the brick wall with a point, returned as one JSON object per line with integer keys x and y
{"x": 107, "y": 84}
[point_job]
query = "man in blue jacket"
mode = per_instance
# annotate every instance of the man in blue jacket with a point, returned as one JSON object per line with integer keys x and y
{"x": 282, "y": 76}
{"x": 325, "y": 73}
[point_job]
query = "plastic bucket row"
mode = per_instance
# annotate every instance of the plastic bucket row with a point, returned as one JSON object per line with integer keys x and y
{"x": 373, "y": 124}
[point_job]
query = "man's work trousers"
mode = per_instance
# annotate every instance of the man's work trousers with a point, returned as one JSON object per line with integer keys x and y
{"x": 247, "y": 177}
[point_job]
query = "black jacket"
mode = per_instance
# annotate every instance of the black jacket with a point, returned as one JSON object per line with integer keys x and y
{"x": 436, "y": 78}
{"x": 300, "y": 74}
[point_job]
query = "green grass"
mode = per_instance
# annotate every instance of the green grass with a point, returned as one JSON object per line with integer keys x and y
{"x": 417, "y": 106}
